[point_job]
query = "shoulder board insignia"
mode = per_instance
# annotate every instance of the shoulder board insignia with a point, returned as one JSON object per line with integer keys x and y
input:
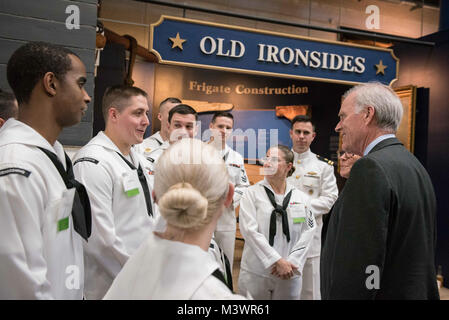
{"x": 312, "y": 173}
{"x": 329, "y": 162}
{"x": 20, "y": 171}
{"x": 234, "y": 165}
{"x": 150, "y": 159}
{"x": 86, "y": 159}
{"x": 148, "y": 150}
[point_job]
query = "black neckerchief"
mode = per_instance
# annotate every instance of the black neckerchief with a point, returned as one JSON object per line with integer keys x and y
{"x": 225, "y": 157}
{"x": 282, "y": 211}
{"x": 143, "y": 183}
{"x": 81, "y": 213}
{"x": 219, "y": 275}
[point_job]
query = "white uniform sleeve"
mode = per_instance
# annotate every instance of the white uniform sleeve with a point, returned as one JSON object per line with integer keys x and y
{"x": 300, "y": 250}
{"x": 241, "y": 185}
{"x": 23, "y": 268}
{"x": 104, "y": 245}
{"x": 328, "y": 193}
{"x": 249, "y": 229}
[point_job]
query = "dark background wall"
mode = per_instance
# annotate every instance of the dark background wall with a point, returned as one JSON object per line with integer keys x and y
{"x": 45, "y": 20}
{"x": 110, "y": 72}
{"x": 428, "y": 67}
{"x": 323, "y": 100}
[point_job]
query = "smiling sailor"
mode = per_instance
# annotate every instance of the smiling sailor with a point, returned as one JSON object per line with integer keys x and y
{"x": 278, "y": 229}
{"x": 118, "y": 185}
{"x": 175, "y": 264}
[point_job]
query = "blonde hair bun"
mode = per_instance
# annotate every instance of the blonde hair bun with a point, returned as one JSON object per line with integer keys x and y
{"x": 183, "y": 206}
{"x": 190, "y": 182}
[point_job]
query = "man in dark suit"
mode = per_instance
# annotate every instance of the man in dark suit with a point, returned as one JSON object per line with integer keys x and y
{"x": 381, "y": 235}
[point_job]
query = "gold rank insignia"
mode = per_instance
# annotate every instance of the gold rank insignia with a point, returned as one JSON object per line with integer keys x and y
{"x": 312, "y": 173}
{"x": 310, "y": 191}
{"x": 299, "y": 161}
{"x": 147, "y": 149}
{"x": 329, "y": 162}
{"x": 297, "y": 177}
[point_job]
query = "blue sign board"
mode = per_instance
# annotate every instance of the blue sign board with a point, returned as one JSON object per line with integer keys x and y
{"x": 207, "y": 45}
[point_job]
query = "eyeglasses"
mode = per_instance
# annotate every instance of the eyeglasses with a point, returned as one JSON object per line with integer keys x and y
{"x": 273, "y": 160}
{"x": 341, "y": 153}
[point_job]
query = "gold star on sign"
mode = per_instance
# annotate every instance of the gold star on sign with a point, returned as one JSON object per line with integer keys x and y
{"x": 380, "y": 68}
{"x": 177, "y": 42}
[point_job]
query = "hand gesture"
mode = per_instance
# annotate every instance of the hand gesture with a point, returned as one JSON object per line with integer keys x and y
{"x": 283, "y": 269}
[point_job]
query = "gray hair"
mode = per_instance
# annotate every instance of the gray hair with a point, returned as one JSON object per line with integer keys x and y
{"x": 383, "y": 99}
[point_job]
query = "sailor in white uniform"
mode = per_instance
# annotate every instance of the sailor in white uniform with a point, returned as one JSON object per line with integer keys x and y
{"x": 176, "y": 264}
{"x": 151, "y": 159}
{"x": 44, "y": 212}
{"x": 314, "y": 175}
{"x": 278, "y": 227}
{"x": 221, "y": 126}
{"x": 122, "y": 209}
{"x": 159, "y": 138}
{"x": 182, "y": 123}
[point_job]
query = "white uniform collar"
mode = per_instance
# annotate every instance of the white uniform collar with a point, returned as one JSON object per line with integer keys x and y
{"x": 165, "y": 145}
{"x": 301, "y": 156}
{"x": 101, "y": 139}
{"x": 15, "y": 131}
{"x": 225, "y": 150}
{"x": 221, "y": 151}
{"x": 288, "y": 186}
{"x": 166, "y": 265}
{"x": 158, "y": 137}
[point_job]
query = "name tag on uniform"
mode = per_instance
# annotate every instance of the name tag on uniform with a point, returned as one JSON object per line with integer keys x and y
{"x": 299, "y": 220}
{"x": 130, "y": 185}
{"x": 63, "y": 224}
